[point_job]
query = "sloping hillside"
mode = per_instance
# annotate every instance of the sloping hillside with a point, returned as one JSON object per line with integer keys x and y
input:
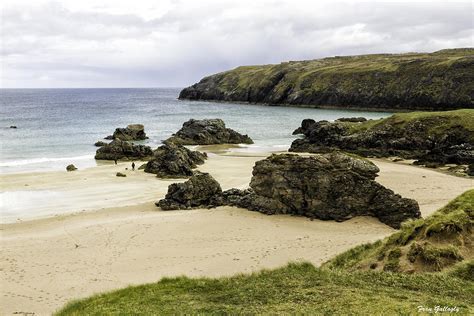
{"x": 437, "y": 81}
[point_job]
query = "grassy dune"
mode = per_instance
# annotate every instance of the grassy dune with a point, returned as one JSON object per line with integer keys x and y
{"x": 437, "y": 81}
{"x": 345, "y": 285}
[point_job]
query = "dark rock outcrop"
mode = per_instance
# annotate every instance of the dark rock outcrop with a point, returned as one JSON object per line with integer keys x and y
{"x": 441, "y": 80}
{"x": 122, "y": 150}
{"x": 172, "y": 160}
{"x": 352, "y": 119}
{"x": 131, "y": 132}
{"x": 447, "y": 137}
{"x": 196, "y": 192}
{"x": 13, "y": 126}
{"x": 119, "y": 174}
{"x": 71, "y": 168}
{"x": 332, "y": 186}
{"x": 207, "y": 132}
{"x": 100, "y": 143}
{"x": 305, "y": 125}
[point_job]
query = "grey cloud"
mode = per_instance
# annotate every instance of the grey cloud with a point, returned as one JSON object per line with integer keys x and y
{"x": 185, "y": 43}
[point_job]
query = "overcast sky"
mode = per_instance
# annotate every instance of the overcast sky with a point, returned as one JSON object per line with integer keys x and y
{"x": 154, "y": 43}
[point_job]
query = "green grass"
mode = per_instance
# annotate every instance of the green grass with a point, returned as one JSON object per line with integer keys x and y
{"x": 438, "y": 122}
{"x": 297, "y": 288}
{"x": 432, "y": 244}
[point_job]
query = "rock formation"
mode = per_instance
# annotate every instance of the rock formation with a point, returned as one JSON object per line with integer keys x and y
{"x": 207, "y": 132}
{"x": 100, "y": 143}
{"x": 122, "y": 150}
{"x": 332, "y": 186}
{"x": 438, "y": 81}
{"x": 172, "y": 160}
{"x": 131, "y": 132}
{"x": 71, "y": 168}
{"x": 119, "y": 174}
{"x": 441, "y": 137}
{"x": 195, "y": 192}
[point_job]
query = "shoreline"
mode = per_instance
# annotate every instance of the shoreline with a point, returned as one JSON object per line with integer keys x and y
{"x": 49, "y": 261}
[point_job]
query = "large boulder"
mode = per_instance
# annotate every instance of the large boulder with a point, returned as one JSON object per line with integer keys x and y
{"x": 331, "y": 186}
{"x": 196, "y": 192}
{"x": 122, "y": 150}
{"x": 207, "y": 132}
{"x": 131, "y": 132}
{"x": 172, "y": 160}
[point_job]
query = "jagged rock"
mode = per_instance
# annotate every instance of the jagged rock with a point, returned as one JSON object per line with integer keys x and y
{"x": 110, "y": 137}
{"x": 304, "y": 126}
{"x": 207, "y": 132}
{"x": 100, "y": 143}
{"x": 119, "y": 174}
{"x": 13, "y": 126}
{"x": 196, "y": 192}
{"x": 172, "y": 160}
{"x": 470, "y": 170}
{"x": 332, "y": 186}
{"x": 71, "y": 168}
{"x": 131, "y": 132}
{"x": 119, "y": 149}
{"x": 142, "y": 167}
{"x": 352, "y": 119}
{"x": 429, "y": 138}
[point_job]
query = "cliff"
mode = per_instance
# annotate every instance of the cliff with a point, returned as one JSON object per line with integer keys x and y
{"x": 429, "y": 81}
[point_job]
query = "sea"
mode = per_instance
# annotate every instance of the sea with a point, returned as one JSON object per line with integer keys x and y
{"x": 57, "y": 127}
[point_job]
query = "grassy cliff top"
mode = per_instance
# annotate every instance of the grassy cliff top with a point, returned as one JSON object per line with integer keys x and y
{"x": 437, "y": 122}
{"x": 441, "y": 80}
{"x": 345, "y": 285}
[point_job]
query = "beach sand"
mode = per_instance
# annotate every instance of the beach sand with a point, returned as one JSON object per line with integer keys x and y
{"x": 123, "y": 239}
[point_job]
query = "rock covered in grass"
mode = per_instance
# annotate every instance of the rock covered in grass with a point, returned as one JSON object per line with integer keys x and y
{"x": 172, "y": 160}
{"x": 207, "y": 132}
{"x": 196, "y": 192}
{"x": 119, "y": 149}
{"x": 444, "y": 137}
{"x": 131, "y": 132}
{"x": 352, "y": 119}
{"x": 71, "y": 167}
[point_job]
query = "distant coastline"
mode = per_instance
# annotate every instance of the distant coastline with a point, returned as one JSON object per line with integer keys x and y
{"x": 396, "y": 82}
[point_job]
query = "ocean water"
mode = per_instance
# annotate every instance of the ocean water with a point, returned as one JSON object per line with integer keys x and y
{"x": 56, "y": 127}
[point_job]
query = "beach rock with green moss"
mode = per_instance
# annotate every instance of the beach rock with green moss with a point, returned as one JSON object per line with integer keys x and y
{"x": 131, "y": 132}
{"x": 175, "y": 161}
{"x": 122, "y": 150}
{"x": 430, "y": 137}
{"x": 207, "y": 132}
{"x": 441, "y": 80}
{"x": 196, "y": 192}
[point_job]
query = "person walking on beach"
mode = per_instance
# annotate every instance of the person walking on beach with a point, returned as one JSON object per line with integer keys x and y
{"x": 133, "y": 166}
{"x": 115, "y": 160}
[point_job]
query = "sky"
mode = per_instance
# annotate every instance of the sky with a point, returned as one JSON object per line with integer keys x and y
{"x": 155, "y": 43}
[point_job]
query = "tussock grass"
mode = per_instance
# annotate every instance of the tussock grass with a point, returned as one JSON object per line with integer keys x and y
{"x": 297, "y": 288}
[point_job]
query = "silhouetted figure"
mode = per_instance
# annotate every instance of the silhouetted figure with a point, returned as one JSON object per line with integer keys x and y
{"x": 115, "y": 160}
{"x": 133, "y": 166}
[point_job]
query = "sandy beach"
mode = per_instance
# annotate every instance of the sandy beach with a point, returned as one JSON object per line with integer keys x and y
{"x": 114, "y": 235}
